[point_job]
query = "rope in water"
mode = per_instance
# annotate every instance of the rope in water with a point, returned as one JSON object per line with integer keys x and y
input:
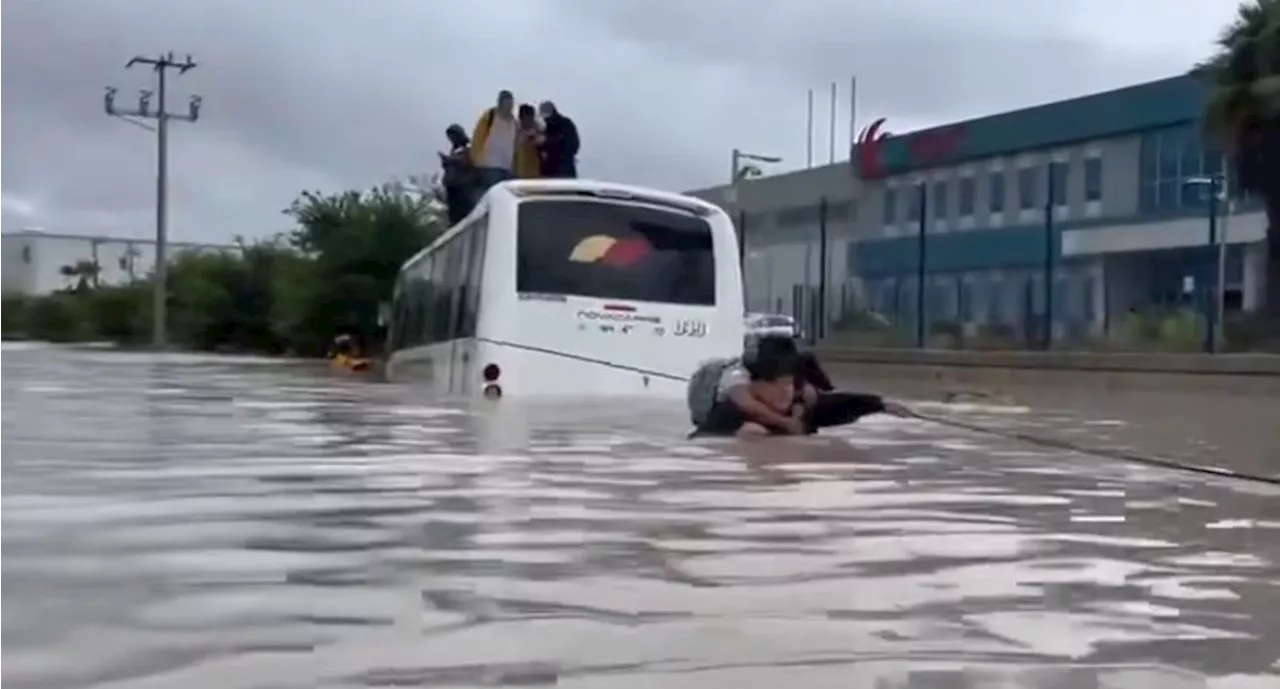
{"x": 1116, "y": 453}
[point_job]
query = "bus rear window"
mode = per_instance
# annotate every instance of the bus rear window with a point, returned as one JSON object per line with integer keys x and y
{"x": 612, "y": 250}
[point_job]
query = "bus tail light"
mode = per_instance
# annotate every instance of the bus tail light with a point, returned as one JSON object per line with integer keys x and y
{"x": 492, "y": 391}
{"x": 491, "y": 373}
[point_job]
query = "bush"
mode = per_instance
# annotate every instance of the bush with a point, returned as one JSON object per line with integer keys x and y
{"x": 14, "y": 311}
{"x": 1178, "y": 330}
{"x": 60, "y": 317}
{"x": 122, "y": 314}
{"x": 285, "y": 294}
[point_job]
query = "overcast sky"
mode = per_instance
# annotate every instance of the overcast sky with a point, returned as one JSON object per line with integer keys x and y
{"x": 335, "y": 94}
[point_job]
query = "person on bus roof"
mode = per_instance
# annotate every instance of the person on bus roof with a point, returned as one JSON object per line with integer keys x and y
{"x": 528, "y": 158}
{"x": 458, "y": 178}
{"x": 493, "y": 142}
{"x": 560, "y": 143}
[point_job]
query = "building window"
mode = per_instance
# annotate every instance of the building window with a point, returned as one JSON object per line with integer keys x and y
{"x": 890, "y": 206}
{"x": 886, "y": 299}
{"x": 1166, "y": 160}
{"x": 940, "y": 200}
{"x": 997, "y": 192}
{"x": 1213, "y": 162}
{"x": 1093, "y": 178}
{"x": 1027, "y": 187}
{"x": 913, "y": 202}
{"x": 942, "y": 299}
{"x": 967, "y": 193}
{"x": 1058, "y": 175}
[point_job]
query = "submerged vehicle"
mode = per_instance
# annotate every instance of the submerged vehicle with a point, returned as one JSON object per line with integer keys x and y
{"x": 570, "y": 287}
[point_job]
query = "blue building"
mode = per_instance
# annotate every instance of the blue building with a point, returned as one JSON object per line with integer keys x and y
{"x": 1100, "y": 182}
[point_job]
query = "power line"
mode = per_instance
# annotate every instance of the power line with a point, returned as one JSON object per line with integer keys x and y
{"x": 161, "y": 66}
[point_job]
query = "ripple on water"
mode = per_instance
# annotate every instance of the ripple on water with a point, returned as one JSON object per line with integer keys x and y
{"x": 239, "y": 524}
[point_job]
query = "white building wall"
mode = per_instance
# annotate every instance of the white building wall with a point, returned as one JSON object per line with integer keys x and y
{"x": 33, "y": 261}
{"x": 16, "y": 273}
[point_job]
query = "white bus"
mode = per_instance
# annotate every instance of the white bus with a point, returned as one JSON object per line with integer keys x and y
{"x": 570, "y": 287}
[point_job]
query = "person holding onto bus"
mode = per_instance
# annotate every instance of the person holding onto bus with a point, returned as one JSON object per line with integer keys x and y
{"x": 747, "y": 395}
{"x": 560, "y": 143}
{"x": 347, "y": 353}
{"x": 747, "y": 399}
{"x": 494, "y": 143}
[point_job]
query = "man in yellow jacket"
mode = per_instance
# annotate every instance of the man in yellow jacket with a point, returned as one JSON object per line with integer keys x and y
{"x": 499, "y": 150}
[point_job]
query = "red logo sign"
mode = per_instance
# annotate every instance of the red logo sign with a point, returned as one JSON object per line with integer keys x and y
{"x": 923, "y": 149}
{"x": 870, "y": 157}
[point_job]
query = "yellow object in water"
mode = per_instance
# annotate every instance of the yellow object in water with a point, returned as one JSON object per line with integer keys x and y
{"x": 349, "y": 363}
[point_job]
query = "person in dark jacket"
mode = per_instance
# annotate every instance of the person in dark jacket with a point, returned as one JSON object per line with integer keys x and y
{"x": 459, "y": 178}
{"x": 560, "y": 143}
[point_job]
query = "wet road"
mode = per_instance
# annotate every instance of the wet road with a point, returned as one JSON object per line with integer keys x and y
{"x": 200, "y": 522}
{"x": 1239, "y": 432}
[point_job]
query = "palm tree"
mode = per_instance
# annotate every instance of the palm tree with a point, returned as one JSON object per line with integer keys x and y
{"x": 1242, "y": 116}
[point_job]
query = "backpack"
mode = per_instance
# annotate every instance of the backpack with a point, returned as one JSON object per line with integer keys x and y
{"x": 704, "y": 387}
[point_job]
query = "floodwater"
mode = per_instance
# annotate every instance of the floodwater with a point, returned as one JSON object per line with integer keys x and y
{"x": 224, "y": 523}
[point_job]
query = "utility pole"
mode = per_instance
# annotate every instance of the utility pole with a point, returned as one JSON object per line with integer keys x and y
{"x": 160, "y": 65}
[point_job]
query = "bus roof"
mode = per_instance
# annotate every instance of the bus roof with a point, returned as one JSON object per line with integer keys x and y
{"x": 553, "y": 187}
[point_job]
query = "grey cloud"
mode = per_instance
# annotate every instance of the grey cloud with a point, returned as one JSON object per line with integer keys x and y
{"x": 341, "y": 93}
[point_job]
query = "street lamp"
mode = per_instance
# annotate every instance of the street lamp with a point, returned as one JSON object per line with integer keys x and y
{"x": 741, "y": 171}
{"x": 742, "y": 166}
{"x": 1219, "y": 191}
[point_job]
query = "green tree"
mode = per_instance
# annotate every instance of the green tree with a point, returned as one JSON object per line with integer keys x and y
{"x": 1242, "y": 115}
{"x": 357, "y": 242}
{"x": 289, "y": 293}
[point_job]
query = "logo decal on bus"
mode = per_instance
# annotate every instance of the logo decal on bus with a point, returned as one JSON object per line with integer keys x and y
{"x": 617, "y": 316}
{"x": 610, "y": 251}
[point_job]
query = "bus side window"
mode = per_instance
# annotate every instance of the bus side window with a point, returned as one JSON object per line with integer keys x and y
{"x": 395, "y": 334}
{"x": 422, "y": 300}
{"x": 463, "y": 268}
{"x": 475, "y": 273}
{"x": 452, "y": 275}
{"x": 439, "y": 307}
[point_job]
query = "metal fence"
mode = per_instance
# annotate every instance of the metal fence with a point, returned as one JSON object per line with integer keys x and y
{"x": 914, "y": 291}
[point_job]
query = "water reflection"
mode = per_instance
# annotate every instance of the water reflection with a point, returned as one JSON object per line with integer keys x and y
{"x": 216, "y": 523}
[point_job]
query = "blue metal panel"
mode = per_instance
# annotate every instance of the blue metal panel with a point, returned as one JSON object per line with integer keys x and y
{"x": 1151, "y": 105}
{"x": 953, "y": 252}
